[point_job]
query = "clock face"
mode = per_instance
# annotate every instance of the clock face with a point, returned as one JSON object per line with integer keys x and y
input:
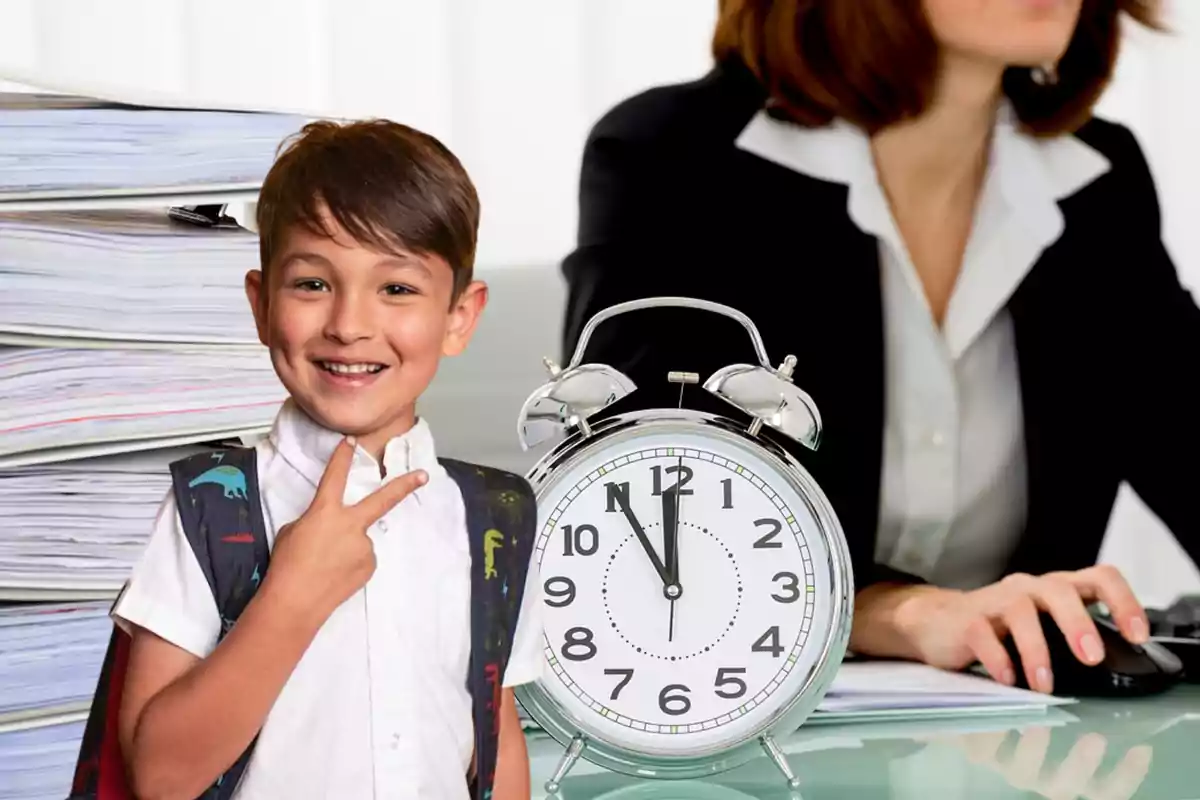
{"x": 688, "y": 592}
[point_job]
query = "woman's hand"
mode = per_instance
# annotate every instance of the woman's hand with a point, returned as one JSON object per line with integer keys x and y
{"x": 952, "y": 629}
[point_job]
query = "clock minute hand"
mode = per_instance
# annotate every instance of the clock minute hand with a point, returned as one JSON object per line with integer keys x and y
{"x": 671, "y": 588}
{"x": 640, "y": 532}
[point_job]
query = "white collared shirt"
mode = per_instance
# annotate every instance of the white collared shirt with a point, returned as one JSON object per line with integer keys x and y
{"x": 378, "y": 706}
{"x": 953, "y": 493}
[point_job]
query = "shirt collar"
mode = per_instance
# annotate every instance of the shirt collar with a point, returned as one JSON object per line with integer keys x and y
{"x": 307, "y": 445}
{"x": 1031, "y": 174}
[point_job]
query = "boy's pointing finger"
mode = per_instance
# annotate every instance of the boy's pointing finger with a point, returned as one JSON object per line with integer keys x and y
{"x": 332, "y": 487}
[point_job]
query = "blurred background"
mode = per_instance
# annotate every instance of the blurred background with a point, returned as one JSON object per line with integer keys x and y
{"x": 513, "y": 87}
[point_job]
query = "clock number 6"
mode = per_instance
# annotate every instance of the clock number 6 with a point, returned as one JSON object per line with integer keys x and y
{"x": 683, "y": 703}
{"x": 725, "y": 678}
{"x": 579, "y": 645}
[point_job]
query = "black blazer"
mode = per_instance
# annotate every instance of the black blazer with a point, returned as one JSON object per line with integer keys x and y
{"x": 1107, "y": 339}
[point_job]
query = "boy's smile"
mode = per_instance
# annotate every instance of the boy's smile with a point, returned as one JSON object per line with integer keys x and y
{"x": 356, "y": 334}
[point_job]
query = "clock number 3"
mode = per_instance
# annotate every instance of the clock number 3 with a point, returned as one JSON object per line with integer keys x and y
{"x": 790, "y": 591}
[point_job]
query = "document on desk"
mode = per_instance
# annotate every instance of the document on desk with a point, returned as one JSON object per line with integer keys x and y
{"x": 74, "y": 529}
{"x": 888, "y": 689}
{"x": 50, "y": 660}
{"x": 50, "y": 397}
{"x": 38, "y": 762}
{"x": 58, "y": 150}
{"x": 138, "y": 278}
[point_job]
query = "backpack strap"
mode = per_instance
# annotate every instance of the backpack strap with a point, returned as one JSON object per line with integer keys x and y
{"x": 221, "y": 511}
{"x": 218, "y": 500}
{"x": 501, "y": 525}
{"x": 100, "y": 767}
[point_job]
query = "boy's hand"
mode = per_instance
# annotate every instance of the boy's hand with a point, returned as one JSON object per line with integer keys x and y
{"x": 325, "y": 556}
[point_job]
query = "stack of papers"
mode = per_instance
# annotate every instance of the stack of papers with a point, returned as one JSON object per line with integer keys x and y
{"x": 38, "y": 763}
{"x": 134, "y": 276}
{"x": 50, "y": 660}
{"x": 75, "y": 529}
{"x": 54, "y": 401}
{"x": 867, "y": 689}
{"x": 54, "y": 148}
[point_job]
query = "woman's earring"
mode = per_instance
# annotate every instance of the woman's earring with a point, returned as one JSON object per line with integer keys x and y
{"x": 1046, "y": 74}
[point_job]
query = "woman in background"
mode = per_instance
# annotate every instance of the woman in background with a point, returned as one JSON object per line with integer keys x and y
{"x": 914, "y": 199}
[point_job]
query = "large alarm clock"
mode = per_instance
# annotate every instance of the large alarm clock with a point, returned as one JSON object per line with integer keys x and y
{"x": 697, "y": 584}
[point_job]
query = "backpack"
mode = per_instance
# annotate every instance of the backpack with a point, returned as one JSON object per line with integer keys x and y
{"x": 218, "y": 499}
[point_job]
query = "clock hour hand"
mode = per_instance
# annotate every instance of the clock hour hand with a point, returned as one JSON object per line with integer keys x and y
{"x": 670, "y": 523}
{"x": 640, "y": 532}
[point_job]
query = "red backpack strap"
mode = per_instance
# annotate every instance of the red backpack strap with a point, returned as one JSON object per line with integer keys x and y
{"x": 100, "y": 768}
{"x": 501, "y": 524}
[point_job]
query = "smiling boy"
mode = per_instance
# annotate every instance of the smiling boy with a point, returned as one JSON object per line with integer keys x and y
{"x": 347, "y": 671}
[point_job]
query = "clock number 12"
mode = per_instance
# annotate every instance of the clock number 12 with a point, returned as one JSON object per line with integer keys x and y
{"x": 685, "y": 477}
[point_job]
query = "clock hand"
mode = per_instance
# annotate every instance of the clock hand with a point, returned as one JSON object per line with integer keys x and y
{"x": 670, "y": 526}
{"x": 640, "y": 532}
{"x": 671, "y": 588}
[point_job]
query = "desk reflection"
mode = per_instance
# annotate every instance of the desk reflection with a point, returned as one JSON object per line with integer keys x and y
{"x": 1092, "y": 750}
{"x": 1025, "y": 761}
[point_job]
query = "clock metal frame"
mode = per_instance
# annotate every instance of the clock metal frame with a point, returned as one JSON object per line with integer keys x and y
{"x": 574, "y": 733}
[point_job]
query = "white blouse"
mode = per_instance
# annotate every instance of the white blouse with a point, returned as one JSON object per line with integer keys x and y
{"x": 953, "y": 493}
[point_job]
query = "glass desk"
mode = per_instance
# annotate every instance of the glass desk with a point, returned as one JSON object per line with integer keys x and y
{"x": 1093, "y": 749}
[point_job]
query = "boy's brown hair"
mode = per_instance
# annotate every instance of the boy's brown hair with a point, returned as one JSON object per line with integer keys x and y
{"x": 874, "y": 62}
{"x": 389, "y": 186}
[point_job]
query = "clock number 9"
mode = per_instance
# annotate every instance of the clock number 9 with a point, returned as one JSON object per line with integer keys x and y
{"x": 564, "y": 596}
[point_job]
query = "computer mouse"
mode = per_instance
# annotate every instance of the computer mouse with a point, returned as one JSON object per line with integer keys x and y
{"x": 1126, "y": 670}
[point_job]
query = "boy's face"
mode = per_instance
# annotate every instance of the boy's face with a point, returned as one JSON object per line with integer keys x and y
{"x": 355, "y": 334}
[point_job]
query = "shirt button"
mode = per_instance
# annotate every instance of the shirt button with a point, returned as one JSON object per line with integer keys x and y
{"x": 937, "y": 439}
{"x": 382, "y": 526}
{"x": 395, "y": 741}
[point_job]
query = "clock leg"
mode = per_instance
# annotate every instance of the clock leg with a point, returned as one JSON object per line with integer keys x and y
{"x": 777, "y": 755}
{"x": 574, "y": 751}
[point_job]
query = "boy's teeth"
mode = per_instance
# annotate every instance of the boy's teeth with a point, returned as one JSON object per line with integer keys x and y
{"x": 351, "y": 369}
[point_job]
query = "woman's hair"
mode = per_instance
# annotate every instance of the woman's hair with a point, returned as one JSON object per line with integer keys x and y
{"x": 875, "y": 62}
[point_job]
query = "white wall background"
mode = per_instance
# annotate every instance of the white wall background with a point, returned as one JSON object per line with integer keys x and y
{"x": 512, "y": 86}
